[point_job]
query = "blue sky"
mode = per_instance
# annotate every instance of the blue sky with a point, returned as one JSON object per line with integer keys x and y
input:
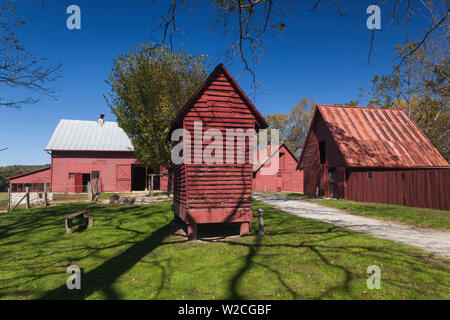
{"x": 320, "y": 55}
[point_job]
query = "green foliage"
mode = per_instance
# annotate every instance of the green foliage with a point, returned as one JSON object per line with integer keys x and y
{"x": 293, "y": 127}
{"x": 10, "y": 171}
{"x": 419, "y": 86}
{"x": 148, "y": 87}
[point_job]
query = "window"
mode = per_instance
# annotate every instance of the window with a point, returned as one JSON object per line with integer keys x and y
{"x": 71, "y": 175}
{"x": 369, "y": 175}
{"x": 14, "y": 187}
{"x": 95, "y": 174}
{"x": 322, "y": 152}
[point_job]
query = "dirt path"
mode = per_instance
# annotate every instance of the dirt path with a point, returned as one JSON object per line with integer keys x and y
{"x": 437, "y": 242}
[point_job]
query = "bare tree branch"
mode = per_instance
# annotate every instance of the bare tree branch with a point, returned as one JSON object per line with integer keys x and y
{"x": 249, "y": 20}
{"x": 19, "y": 68}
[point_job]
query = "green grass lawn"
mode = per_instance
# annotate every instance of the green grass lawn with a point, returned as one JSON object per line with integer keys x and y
{"x": 132, "y": 252}
{"x": 421, "y": 217}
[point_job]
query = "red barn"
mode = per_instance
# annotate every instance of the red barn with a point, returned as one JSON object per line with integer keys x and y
{"x": 286, "y": 179}
{"x": 85, "y": 150}
{"x": 34, "y": 180}
{"x": 373, "y": 155}
{"x": 217, "y": 192}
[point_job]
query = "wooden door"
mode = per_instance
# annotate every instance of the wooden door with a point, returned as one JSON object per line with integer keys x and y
{"x": 123, "y": 177}
{"x": 78, "y": 181}
{"x": 279, "y": 182}
{"x": 332, "y": 183}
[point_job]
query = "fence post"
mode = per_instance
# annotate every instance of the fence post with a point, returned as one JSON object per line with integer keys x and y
{"x": 9, "y": 200}
{"x": 260, "y": 222}
{"x": 27, "y": 203}
{"x": 45, "y": 195}
{"x": 151, "y": 185}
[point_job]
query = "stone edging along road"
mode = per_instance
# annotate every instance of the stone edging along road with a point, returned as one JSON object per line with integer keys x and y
{"x": 434, "y": 241}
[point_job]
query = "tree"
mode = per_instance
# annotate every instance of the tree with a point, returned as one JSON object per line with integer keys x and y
{"x": 148, "y": 87}
{"x": 421, "y": 87}
{"x": 293, "y": 127}
{"x": 19, "y": 68}
{"x": 249, "y": 20}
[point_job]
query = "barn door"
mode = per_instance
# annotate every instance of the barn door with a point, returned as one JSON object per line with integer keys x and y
{"x": 123, "y": 177}
{"x": 279, "y": 182}
{"x": 78, "y": 181}
{"x": 332, "y": 182}
{"x": 287, "y": 183}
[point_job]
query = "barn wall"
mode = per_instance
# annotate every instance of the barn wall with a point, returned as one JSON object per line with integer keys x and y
{"x": 415, "y": 188}
{"x": 314, "y": 173}
{"x": 37, "y": 177}
{"x": 179, "y": 191}
{"x": 288, "y": 178}
{"x": 218, "y": 192}
{"x": 114, "y": 167}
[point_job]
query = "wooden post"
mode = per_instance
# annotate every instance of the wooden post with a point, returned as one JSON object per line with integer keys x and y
{"x": 151, "y": 185}
{"x": 146, "y": 179}
{"x": 192, "y": 231}
{"x": 45, "y": 195}
{"x": 260, "y": 222}
{"x": 27, "y": 203}
{"x": 89, "y": 190}
{"x": 9, "y": 200}
{"x": 244, "y": 229}
{"x": 68, "y": 223}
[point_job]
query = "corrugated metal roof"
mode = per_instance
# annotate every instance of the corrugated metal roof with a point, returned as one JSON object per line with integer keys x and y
{"x": 89, "y": 136}
{"x": 375, "y": 137}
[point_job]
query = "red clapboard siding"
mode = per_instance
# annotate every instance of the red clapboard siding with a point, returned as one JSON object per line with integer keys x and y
{"x": 415, "y": 188}
{"x": 213, "y": 193}
{"x": 286, "y": 179}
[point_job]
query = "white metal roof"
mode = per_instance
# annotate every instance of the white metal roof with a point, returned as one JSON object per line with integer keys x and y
{"x": 89, "y": 136}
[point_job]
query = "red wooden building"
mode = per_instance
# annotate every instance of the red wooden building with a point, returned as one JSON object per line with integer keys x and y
{"x": 286, "y": 179}
{"x": 373, "y": 155}
{"x": 35, "y": 181}
{"x": 85, "y": 150}
{"x": 215, "y": 193}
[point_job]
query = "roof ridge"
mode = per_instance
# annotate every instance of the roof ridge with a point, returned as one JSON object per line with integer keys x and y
{"x": 356, "y": 107}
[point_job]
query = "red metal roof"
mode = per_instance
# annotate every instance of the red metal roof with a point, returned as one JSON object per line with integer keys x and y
{"x": 375, "y": 137}
{"x": 219, "y": 69}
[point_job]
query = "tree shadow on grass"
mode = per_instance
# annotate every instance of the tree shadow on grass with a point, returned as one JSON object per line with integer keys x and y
{"x": 320, "y": 243}
{"x": 103, "y": 277}
{"x": 255, "y": 247}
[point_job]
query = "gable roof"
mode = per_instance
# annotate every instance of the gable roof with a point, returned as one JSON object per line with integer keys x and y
{"x": 89, "y": 136}
{"x": 379, "y": 138}
{"x": 272, "y": 153}
{"x": 218, "y": 70}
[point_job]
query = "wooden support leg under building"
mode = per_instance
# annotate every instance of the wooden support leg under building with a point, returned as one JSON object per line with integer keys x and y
{"x": 192, "y": 231}
{"x": 245, "y": 229}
